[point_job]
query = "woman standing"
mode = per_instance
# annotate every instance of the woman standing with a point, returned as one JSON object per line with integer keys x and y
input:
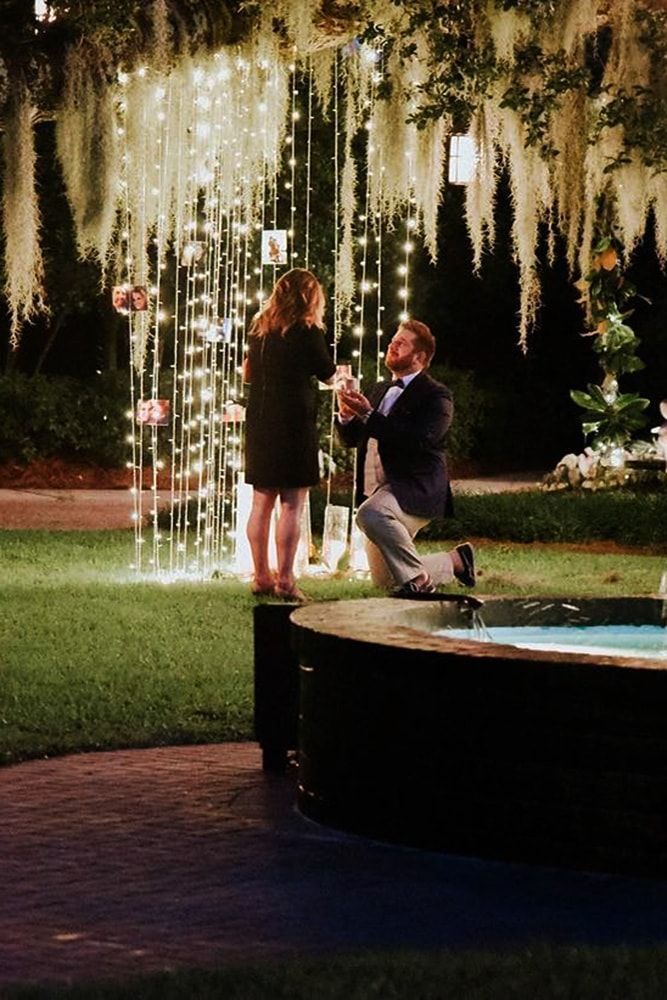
{"x": 287, "y": 353}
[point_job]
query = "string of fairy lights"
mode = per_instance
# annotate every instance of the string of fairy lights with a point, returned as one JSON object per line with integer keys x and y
{"x": 217, "y": 174}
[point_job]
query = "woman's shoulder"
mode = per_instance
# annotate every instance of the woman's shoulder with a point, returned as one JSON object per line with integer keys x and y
{"x": 254, "y": 341}
{"x": 305, "y": 330}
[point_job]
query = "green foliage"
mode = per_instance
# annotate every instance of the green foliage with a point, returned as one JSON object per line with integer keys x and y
{"x": 42, "y": 417}
{"x": 641, "y": 113}
{"x": 609, "y": 416}
{"x": 536, "y": 105}
{"x": 541, "y": 971}
{"x": 611, "y": 420}
{"x": 169, "y": 665}
{"x": 122, "y": 30}
{"x": 608, "y": 290}
{"x": 109, "y": 21}
{"x": 92, "y": 659}
{"x": 470, "y": 411}
{"x": 620, "y": 516}
{"x": 460, "y": 71}
{"x": 538, "y": 9}
{"x": 617, "y": 347}
{"x": 83, "y": 420}
{"x": 463, "y": 66}
{"x": 166, "y": 667}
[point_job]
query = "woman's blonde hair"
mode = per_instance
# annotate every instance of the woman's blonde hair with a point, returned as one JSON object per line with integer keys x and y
{"x": 297, "y": 297}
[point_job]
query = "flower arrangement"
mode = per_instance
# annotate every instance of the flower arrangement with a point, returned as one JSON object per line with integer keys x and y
{"x": 608, "y": 467}
{"x": 610, "y": 417}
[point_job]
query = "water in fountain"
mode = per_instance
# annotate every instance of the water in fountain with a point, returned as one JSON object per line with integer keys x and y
{"x": 567, "y": 629}
{"x": 479, "y": 629}
{"x": 648, "y": 641}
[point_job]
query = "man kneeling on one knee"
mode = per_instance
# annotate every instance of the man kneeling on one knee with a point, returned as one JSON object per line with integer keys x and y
{"x": 399, "y": 430}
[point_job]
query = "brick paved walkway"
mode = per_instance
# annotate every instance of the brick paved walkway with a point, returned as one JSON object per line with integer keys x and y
{"x": 117, "y": 863}
{"x": 82, "y": 510}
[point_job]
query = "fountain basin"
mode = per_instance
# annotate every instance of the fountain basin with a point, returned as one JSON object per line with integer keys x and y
{"x": 481, "y": 748}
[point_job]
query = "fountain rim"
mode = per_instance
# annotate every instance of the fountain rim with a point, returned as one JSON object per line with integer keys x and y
{"x": 366, "y": 620}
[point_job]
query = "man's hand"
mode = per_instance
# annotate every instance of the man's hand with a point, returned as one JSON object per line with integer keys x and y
{"x": 353, "y": 404}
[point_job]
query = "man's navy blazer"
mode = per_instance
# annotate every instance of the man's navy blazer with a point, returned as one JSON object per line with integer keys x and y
{"x": 411, "y": 445}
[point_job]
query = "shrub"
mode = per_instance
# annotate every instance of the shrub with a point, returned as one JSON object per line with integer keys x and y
{"x": 622, "y": 516}
{"x": 464, "y": 436}
{"x": 44, "y": 417}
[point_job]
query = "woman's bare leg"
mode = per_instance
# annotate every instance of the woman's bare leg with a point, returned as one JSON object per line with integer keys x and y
{"x": 288, "y": 533}
{"x": 258, "y": 530}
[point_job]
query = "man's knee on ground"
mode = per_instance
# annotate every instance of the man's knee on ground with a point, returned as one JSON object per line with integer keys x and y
{"x": 371, "y": 521}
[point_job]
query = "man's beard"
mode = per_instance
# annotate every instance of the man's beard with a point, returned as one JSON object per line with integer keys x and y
{"x": 397, "y": 367}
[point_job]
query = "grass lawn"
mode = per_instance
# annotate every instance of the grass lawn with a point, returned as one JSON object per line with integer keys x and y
{"x": 90, "y": 658}
{"x": 536, "y": 973}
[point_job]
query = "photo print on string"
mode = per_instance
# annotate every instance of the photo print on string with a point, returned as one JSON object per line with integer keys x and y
{"x": 153, "y": 412}
{"x": 218, "y": 332}
{"x": 120, "y": 298}
{"x": 192, "y": 253}
{"x": 274, "y": 246}
{"x": 139, "y": 298}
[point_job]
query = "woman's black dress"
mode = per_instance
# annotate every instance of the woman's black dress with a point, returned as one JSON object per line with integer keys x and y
{"x": 281, "y": 419}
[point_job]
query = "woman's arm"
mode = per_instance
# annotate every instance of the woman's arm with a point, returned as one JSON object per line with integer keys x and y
{"x": 319, "y": 358}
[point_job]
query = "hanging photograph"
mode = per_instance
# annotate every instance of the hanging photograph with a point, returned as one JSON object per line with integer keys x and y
{"x": 217, "y": 333}
{"x": 139, "y": 298}
{"x": 120, "y": 298}
{"x": 227, "y": 329}
{"x": 153, "y": 412}
{"x": 192, "y": 252}
{"x": 274, "y": 246}
{"x": 233, "y": 413}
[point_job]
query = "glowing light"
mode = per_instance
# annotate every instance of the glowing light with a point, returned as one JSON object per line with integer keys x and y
{"x": 463, "y": 158}
{"x": 43, "y": 11}
{"x": 231, "y": 173}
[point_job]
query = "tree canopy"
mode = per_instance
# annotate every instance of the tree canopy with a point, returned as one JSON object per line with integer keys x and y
{"x": 568, "y": 96}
